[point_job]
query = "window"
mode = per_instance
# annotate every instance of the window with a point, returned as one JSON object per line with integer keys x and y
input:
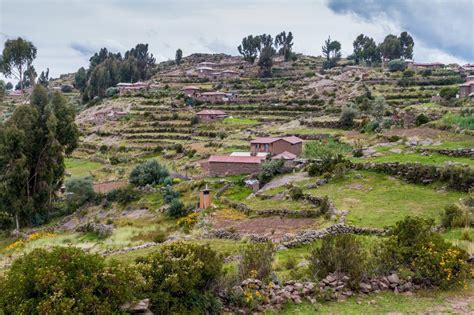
{"x": 267, "y": 146}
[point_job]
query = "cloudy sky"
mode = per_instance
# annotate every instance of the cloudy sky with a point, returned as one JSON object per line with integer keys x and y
{"x": 68, "y": 32}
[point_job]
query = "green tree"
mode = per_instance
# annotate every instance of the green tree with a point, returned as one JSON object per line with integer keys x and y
{"x": 391, "y": 48}
{"x": 17, "y": 55}
{"x": 265, "y": 61}
{"x": 285, "y": 43}
{"x": 9, "y": 86}
{"x": 249, "y": 48}
{"x": 179, "y": 56}
{"x": 332, "y": 53}
{"x": 33, "y": 143}
{"x": 145, "y": 60}
{"x": 366, "y": 50}
{"x": 44, "y": 78}
{"x": 407, "y": 43}
{"x": 80, "y": 79}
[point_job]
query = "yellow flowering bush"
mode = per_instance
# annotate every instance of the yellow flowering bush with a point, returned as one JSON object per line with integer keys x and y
{"x": 38, "y": 235}
{"x": 442, "y": 264}
{"x": 15, "y": 245}
{"x": 189, "y": 220}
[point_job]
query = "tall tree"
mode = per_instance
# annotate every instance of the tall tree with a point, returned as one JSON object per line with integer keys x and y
{"x": 391, "y": 48}
{"x": 179, "y": 56}
{"x": 285, "y": 43}
{"x": 33, "y": 143}
{"x": 327, "y": 48}
{"x": 43, "y": 79}
{"x": 80, "y": 79}
{"x": 17, "y": 55}
{"x": 145, "y": 60}
{"x": 265, "y": 61}
{"x": 249, "y": 48}
{"x": 365, "y": 49}
{"x": 407, "y": 43}
{"x": 332, "y": 53}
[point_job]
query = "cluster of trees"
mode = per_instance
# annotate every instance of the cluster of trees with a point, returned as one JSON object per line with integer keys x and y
{"x": 33, "y": 143}
{"x": 264, "y": 47}
{"x": 331, "y": 52}
{"x": 393, "y": 47}
{"x": 16, "y": 62}
{"x": 106, "y": 69}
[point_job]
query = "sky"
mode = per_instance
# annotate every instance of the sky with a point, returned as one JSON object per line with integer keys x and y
{"x": 67, "y": 32}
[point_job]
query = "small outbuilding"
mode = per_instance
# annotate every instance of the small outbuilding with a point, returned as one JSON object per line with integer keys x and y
{"x": 211, "y": 114}
{"x": 224, "y": 165}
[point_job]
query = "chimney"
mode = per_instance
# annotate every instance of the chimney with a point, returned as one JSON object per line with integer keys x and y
{"x": 204, "y": 198}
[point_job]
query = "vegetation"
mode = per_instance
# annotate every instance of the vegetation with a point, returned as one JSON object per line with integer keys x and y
{"x": 180, "y": 278}
{"x": 150, "y": 172}
{"x": 256, "y": 262}
{"x": 66, "y": 280}
{"x": 33, "y": 143}
{"x": 17, "y": 56}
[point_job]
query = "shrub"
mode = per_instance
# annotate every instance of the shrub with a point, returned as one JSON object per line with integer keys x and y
{"x": 454, "y": 216}
{"x": 256, "y": 261}
{"x": 66, "y": 281}
{"x": 150, "y": 172}
{"x": 449, "y": 92}
{"x": 111, "y": 91}
{"x": 269, "y": 169}
{"x": 421, "y": 119}
{"x": 180, "y": 278}
{"x": 6, "y": 221}
{"x": 414, "y": 246}
{"x": 348, "y": 114}
{"x": 408, "y": 73}
{"x": 123, "y": 195}
{"x": 79, "y": 191}
{"x": 397, "y": 65}
{"x": 296, "y": 193}
{"x": 340, "y": 253}
{"x": 176, "y": 209}
{"x": 66, "y": 88}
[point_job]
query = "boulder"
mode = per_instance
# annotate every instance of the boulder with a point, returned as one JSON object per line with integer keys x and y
{"x": 393, "y": 278}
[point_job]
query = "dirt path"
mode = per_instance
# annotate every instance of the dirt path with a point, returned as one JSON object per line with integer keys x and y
{"x": 285, "y": 179}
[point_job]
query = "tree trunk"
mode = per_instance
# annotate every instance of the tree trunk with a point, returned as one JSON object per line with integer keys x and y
{"x": 17, "y": 222}
{"x": 21, "y": 80}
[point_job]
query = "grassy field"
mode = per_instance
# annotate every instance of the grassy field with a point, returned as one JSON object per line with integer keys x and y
{"x": 239, "y": 121}
{"x": 80, "y": 167}
{"x": 432, "y": 159}
{"x": 377, "y": 200}
{"x": 423, "y": 302}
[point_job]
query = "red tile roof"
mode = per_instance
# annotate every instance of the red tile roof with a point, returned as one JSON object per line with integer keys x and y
{"x": 292, "y": 139}
{"x": 284, "y": 156}
{"x": 211, "y": 112}
{"x": 191, "y": 87}
{"x": 265, "y": 140}
{"x": 235, "y": 159}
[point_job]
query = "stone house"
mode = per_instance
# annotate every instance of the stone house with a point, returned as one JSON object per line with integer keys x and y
{"x": 466, "y": 88}
{"x": 213, "y": 97}
{"x": 205, "y": 72}
{"x": 210, "y": 115}
{"x": 429, "y": 65}
{"x": 130, "y": 87}
{"x": 230, "y": 74}
{"x": 191, "y": 90}
{"x": 275, "y": 146}
{"x": 224, "y": 165}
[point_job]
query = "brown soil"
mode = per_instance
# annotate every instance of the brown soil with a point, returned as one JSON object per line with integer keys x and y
{"x": 418, "y": 132}
{"x": 109, "y": 186}
{"x": 265, "y": 226}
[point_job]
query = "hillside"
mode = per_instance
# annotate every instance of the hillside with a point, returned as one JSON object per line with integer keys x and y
{"x": 412, "y": 157}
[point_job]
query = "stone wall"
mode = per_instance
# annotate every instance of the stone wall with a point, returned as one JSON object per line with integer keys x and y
{"x": 467, "y": 152}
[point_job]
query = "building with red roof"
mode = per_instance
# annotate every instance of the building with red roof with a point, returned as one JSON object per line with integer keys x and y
{"x": 224, "y": 165}
{"x": 211, "y": 114}
{"x": 277, "y": 145}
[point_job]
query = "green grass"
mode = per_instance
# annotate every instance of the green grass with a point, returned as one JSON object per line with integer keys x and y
{"x": 237, "y": 193}
{"x": 239, "y": 121}
{"x": 465, "y": 122}
{"x": 318, "y": 149}
{"x": 80, "y": 167}
{"x": 378, "y": 200}
{"x": 422, "y": 302}
{"x": 432, "y": 159}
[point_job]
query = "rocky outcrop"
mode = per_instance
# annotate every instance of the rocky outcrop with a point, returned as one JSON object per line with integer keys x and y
{"x": 466, "y": 152}
{"x": 102, "y": 230}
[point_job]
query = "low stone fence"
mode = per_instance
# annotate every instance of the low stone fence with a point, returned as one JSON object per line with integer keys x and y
{"x": 457, "y": 177}
{"x": 467, "y": 152}
{"x": 335, "y": 286}
{"x": 309, "y": 236}
{"x": 288, "y": 213}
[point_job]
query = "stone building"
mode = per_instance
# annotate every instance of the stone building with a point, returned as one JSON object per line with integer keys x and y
{"x": 224, "y": 165}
